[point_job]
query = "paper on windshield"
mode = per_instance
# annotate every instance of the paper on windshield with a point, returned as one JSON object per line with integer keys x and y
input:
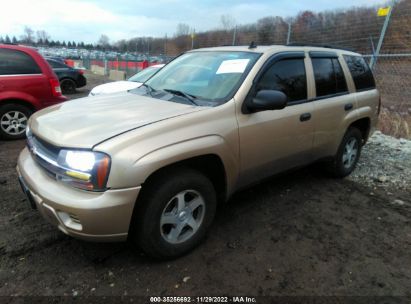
{"x": 233, "y": 66}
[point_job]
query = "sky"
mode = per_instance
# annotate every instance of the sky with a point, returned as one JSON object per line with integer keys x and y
{"x": 86, "y": 20}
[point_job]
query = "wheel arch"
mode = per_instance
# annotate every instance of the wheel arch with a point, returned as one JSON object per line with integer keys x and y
{"x": 68, "y": 78}
{"x": 19, "y": 101}
{"x": 211, "y": 165}
{"x": 364, "y": 125}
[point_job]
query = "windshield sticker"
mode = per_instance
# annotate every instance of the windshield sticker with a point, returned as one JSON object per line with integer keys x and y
{"x": 233, "y": 66}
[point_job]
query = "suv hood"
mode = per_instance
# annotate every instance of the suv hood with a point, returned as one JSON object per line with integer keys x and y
{"x": 85, "y": 122}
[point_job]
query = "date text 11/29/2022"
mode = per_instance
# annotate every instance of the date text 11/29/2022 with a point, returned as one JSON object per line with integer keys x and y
{"x": 205, "y": 299}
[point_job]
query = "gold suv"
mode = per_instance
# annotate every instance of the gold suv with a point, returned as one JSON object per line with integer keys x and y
{"x": 152, "y": 164}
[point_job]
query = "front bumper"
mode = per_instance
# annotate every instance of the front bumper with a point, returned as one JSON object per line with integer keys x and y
{"x": 93, "y": 216}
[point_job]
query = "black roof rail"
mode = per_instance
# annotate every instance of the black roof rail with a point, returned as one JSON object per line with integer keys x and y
{"x": 327, "y": 46}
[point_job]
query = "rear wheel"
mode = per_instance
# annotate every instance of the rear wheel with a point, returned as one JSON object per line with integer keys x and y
{"x": 173, "y": 214}
{"x": 68, "y": 86}
{"x": 348, "y": 154}
{"x": 13, "y": 121}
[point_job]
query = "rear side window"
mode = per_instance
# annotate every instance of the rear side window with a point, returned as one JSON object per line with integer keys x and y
{"x": 361, "y": 72}
{"x": 288, "y": 76}
{"x": 56, "y": 65}
{"x": 14, "y": 62}
{"x": 329, "y": 76}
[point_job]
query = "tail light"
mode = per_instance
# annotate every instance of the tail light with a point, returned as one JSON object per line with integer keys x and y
{"x": 55, "y": 87}
{"x": 80, "y": 71}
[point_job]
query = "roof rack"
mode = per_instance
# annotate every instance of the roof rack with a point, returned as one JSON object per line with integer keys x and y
{"x": 327, "y": 46}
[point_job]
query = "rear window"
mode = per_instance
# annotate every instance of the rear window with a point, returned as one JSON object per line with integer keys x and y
{"x": 14, "y": 62}
{"x": 329, "y": 76}
{"x": 361, "y": 72}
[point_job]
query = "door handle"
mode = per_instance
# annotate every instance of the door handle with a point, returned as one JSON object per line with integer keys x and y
{"x": 348, "y": 106}
{"x": 305, "y": 117}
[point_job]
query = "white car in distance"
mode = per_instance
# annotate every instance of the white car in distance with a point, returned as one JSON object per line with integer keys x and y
{"x": 121, "y": 86}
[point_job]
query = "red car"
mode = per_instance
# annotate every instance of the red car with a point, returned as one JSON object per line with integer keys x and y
{"x": 27, "y": 84}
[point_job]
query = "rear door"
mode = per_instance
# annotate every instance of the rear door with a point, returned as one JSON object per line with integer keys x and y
{"x": 19, "y": 73}
{"x": 332, "y": 102}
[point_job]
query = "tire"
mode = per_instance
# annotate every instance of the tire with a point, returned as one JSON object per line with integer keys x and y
{"x": 162, "y": 228}
{"x": 13, "y": 121}
{"x": 68, "y": 86}
{"x": 347, "y": 155}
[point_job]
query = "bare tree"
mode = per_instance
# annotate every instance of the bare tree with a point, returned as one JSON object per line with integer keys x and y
{"x": 227, "y": 22}
{"x": 182, "y": 29}
{"x": 28, "y": 36}
{"x": 104, "y": 41}
{"x": 42, "y": 36}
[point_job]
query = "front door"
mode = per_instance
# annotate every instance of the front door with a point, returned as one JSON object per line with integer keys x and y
{"x": 273, "y": 141}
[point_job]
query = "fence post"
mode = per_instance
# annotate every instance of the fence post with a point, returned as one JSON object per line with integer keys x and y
{"x": 289, "y": 33}
{"x": 383, "y": 31}
{"x": 234, "y": 35}
{"x": 105, "y": 65}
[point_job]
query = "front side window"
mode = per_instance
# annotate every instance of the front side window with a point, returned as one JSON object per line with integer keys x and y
{"x": 211, "y": 76}
{"x": 287, "y": 76}
{"x": 329, "y": 76}
{"x": 14, "y": 62}
{"x": 361, "y": 72}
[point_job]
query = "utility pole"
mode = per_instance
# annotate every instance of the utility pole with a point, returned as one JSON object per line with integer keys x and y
{"x": 383, "y": 31}
{"x": 234, "y": 34}
{"x": 148, "y": 46}
{"x": 165, "y": 45}
{"x": 192, "y": 38}
{"x": 289, "y": 33}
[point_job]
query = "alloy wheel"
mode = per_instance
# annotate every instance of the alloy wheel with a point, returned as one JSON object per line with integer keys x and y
{"x": 13, "y": 122}
{"x": 182, "y": 216}
{"x": 350, "y": 153}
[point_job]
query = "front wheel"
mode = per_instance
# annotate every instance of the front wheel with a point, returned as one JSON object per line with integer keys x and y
{"x": 348, "y": 154}
{"x": 174, "y": 213}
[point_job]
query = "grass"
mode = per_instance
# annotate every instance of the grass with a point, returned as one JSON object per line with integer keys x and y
{"x": 395, "y": 124}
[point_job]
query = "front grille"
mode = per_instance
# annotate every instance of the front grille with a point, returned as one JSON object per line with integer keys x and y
{"x": 44, "y": 154}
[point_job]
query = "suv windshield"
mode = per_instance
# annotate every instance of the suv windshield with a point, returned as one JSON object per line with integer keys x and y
{"x": 209, "y": 76}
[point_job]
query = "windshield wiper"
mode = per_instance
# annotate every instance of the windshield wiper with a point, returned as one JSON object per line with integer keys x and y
{"x": 189, "y": 97}
{"x": 150, "y": 89}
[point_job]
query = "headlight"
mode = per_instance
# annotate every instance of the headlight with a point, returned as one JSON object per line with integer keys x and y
{"x": 84, "y": 169}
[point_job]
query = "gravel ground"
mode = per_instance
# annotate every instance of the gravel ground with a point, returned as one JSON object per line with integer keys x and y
{"x": 299, "y": 234}
{"x": 385, "y": 163}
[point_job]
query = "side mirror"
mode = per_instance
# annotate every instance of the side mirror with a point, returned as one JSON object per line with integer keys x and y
{"x": 268, "y": 100}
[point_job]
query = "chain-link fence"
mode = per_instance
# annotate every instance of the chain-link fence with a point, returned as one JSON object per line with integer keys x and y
{"x": 357, "y": 29}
